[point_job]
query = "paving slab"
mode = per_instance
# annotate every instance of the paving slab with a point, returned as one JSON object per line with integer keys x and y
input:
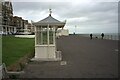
{"x": 82, "y": 58}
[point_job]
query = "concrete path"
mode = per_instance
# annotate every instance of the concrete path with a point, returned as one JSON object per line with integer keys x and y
{"x": 82, "y": 58}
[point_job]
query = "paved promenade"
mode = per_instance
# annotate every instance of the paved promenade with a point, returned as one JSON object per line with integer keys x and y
{"x": 82, "y": 58}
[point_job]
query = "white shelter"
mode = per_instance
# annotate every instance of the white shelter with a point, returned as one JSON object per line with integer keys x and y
{"x": 45, "y": 39}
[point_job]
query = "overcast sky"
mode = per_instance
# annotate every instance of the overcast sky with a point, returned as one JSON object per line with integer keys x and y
{"x": 88, "y": 16}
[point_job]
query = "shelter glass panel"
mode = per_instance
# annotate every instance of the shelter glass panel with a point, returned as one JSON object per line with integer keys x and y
{"x": 38, "y": 35}
{"x": 44, "y": 33}
{"x": 51, "y": 35}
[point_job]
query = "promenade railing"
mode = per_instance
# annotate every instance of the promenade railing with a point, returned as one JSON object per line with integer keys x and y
{"x": 109, "y": 37}
{"x": 106, "y": 36}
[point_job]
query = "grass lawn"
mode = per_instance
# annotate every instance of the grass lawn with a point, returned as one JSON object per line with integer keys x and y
{"x": 14, "y": 48}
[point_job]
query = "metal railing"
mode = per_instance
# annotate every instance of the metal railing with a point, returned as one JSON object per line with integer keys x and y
{"x": 7, "y": 74}
{"x": 111, "y": 37}
{"x": 108, "y": 37}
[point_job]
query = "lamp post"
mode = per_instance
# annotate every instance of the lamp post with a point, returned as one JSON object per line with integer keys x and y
{"x": 75, "y": 29}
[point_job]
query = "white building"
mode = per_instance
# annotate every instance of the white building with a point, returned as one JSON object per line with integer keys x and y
{"x": 45, "y": 39}
{"x": 62, "y": 32}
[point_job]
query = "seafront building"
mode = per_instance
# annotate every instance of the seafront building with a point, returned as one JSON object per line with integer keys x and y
{"x": 7, "y": 14}
{"x": 12, "y": 24}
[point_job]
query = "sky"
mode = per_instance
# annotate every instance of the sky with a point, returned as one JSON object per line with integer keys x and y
{"x": 89, "y": 16}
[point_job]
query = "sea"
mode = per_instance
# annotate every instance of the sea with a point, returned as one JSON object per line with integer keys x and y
{"x": 110, "y": 36}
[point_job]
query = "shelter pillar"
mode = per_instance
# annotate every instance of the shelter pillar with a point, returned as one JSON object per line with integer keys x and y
{"x": 41, "y": 39}
{"x": 54, "y": 35}
{"x": 48, "y": 42}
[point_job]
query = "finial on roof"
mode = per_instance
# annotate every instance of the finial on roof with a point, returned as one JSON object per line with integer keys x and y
{"x": 50, "y": 12}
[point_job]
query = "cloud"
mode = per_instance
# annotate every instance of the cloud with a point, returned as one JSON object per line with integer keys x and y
{"x": 88, "y": 16}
